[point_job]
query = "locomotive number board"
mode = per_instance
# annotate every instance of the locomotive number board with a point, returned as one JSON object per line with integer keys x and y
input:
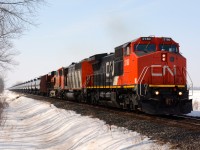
{"x": 166, "y": 39}
{"x": 146, "y": 38}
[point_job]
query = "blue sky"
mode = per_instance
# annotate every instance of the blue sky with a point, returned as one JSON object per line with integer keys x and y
{"x": 71, "y": 30}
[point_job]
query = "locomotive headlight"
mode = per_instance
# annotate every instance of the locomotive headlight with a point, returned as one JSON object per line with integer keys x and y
{"x": 157, "y": 92}
{"x": 163, "y": 55}
{"x": 164, "y": 59}
{"x": 180, "y": 93}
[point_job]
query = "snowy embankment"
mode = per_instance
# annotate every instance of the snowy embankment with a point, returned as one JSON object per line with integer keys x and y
{"x": 195, "y": 96}
{"x": 31, "y": 124}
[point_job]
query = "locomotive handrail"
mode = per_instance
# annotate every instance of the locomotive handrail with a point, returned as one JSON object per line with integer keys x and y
{"x": 142, "y": 79}
{"x": 91, "y": 78}
{"x": 87, "y": 80}
{"x": 191, "y": 84}
{"x": 142, "y": 75}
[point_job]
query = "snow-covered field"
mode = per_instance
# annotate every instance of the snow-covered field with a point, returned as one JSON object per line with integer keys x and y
{"x": 30, "y": 124}
{"x": 195, "y": 95}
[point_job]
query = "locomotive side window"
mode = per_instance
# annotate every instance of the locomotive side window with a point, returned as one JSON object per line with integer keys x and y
{"x": 170, "y": 48}
{"x": 145, "y": 47}
{"x": 127, "y": 51}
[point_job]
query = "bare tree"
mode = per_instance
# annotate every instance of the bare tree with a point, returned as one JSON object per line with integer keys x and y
{"x": 7, "y": 54}
{"x": 1, "y": 84}
{"x": 15, "y": 17}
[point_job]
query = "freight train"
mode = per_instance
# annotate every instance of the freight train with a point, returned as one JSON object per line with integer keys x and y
{"x": 147, "y": 74}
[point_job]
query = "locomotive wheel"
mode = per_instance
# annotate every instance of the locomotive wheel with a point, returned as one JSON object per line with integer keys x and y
{"x": 95, "y": 98}
{"x": 131, "y": 106}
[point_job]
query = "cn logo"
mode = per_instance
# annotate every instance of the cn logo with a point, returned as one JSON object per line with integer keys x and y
{"x": 165, "y": 69}
{"x": 110, "y": 68}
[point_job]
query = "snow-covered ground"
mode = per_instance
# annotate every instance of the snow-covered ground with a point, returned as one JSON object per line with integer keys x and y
{"x": 195, "y": 95}
{"x": 31, "y": 124}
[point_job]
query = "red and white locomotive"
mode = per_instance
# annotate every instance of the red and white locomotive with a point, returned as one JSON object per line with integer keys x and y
{"x": 148, "y": 73}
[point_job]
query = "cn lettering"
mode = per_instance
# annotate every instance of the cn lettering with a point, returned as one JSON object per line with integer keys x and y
{"x": 165, "y": 69}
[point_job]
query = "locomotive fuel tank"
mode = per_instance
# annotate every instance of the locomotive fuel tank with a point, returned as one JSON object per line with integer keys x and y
{"x": 70, "y": 96}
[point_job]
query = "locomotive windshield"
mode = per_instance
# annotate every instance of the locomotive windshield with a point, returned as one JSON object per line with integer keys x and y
{"x": 145, "y": 47}
{"x": 170, "y": 48}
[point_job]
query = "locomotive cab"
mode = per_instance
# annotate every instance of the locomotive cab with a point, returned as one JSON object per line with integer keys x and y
{"x": 161, "y": 76}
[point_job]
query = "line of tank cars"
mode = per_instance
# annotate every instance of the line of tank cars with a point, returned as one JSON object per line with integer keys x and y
{"x": 147, "y": 74}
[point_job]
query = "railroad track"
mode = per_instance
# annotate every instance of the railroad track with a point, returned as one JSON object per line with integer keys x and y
{"x": 187, "y": 121}
{"x": 180, "y": 121}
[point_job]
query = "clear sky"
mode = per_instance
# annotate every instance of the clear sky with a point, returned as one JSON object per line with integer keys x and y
{"x": 71, "y": 30}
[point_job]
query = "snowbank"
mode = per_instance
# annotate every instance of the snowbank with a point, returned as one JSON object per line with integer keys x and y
{"x": 31, "y": 124}
{"x": 195, "y": 96}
